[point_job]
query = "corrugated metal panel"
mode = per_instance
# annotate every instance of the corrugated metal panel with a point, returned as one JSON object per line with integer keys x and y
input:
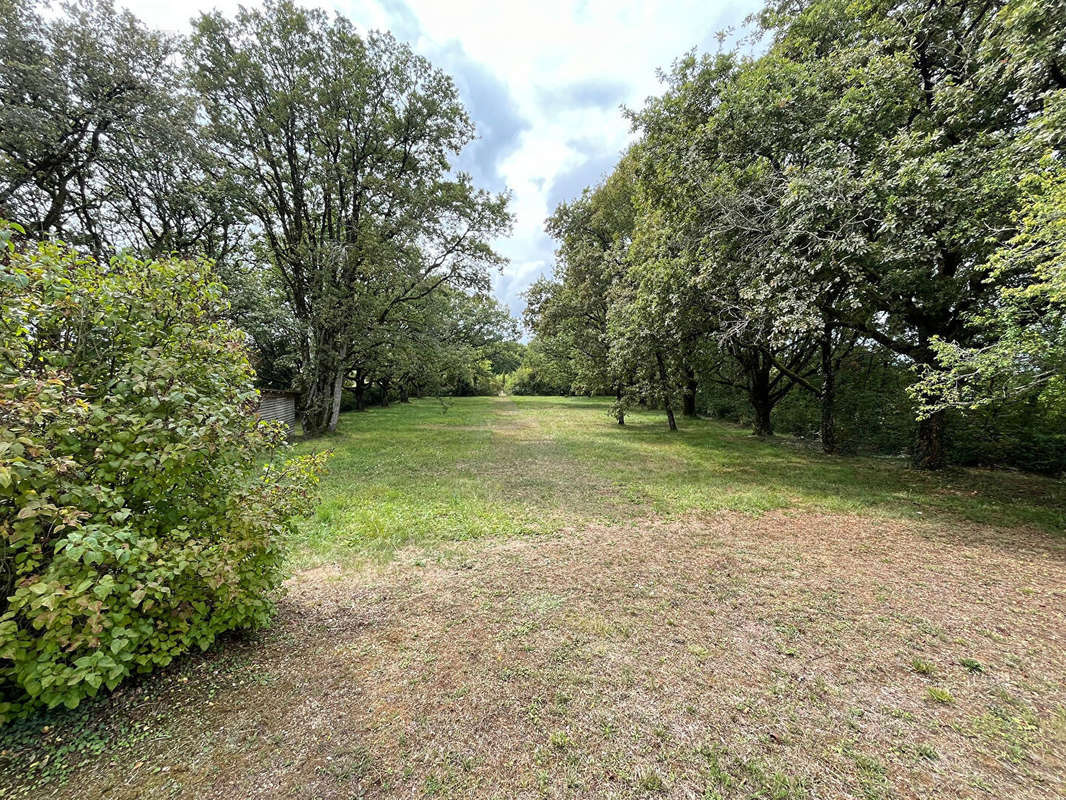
{"x": 280, "y": 407}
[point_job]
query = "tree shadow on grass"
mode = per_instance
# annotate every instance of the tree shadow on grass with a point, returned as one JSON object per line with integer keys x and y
{"x": 708, "y": 458}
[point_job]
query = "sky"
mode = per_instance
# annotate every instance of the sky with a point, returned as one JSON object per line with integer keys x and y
{"x": 544, "y": 82}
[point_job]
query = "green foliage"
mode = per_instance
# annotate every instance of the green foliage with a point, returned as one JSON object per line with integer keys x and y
{"x": 938, "y": 695}
{"x": 546, "y": 369}
{"x": 339, "y": 146}
{"x": 860, "y": 185}
{"x": 1026, "y": 328}
{"x": 99, "y": 136}
{"x": 922, "y": 667}
{"x": 1024, "y": 432}
{"x": 593, "y": 233}
{"x": 138, "y": 518}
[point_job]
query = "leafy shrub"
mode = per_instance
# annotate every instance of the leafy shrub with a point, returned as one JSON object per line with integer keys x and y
{"x": 137, "y": 518}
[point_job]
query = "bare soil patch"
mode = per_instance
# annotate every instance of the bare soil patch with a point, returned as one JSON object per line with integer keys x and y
{"x": 789, "y": 655}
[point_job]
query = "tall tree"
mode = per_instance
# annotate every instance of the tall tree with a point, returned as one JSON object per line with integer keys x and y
{"x": 711, "y": 168}
{"x": 594, "y": 233}
{"x": 338, "y": 147}
{"x": 73, "y": 88}
{"x": 926, "y": 135}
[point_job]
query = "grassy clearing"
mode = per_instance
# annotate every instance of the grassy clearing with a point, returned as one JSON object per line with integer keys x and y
{"x": 420, "y": 473}
{"x": 699, "y": 615}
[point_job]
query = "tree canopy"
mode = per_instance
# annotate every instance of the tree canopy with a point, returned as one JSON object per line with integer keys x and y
{"x": 878, "y": 179}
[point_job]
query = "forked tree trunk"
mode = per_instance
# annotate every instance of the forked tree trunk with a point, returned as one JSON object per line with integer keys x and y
{"x": 929, "y": 452}
{"x": 759, "y": 395}
{"x": 318, "y": 414}
{"x": 323, "y": 399}
{"x": 316, "y": 408}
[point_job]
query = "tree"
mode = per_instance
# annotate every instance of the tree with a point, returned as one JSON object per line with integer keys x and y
{"x": 75, "y": 92}
{"x": 453, "y": 343}
{"x": 857, "y": 175}
{"x": 338, "y": 147}
{"x": 927, "y": 139}
{"x": 1022, "y": 348}
{"x": 708, "y": 177}
{"x": 594, "y": 233}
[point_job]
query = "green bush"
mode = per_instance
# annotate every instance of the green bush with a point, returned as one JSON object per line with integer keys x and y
{"x": 139, "y": 515}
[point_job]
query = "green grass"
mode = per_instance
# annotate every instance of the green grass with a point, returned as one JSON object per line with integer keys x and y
{"x": 419, "y": 473}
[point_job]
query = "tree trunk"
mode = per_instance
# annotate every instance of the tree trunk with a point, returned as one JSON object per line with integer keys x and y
{"x": 384, "y": 384}
{"x": 325, "y": 383}
{"x": 762, "y": 426}
{"x": 689, "y": 398}
{"x": 335, "y": 411}
{"x": 405, "y": 395}
{"x": 929, "y": 453}
{"x": 759, "y": 396}
{"x": 318, "y": 404}
{"x": 620, "y": 415}
{"x": 360, "y": 392}
{"x": 828, "y": 397}
{"x": 666, "y": 392}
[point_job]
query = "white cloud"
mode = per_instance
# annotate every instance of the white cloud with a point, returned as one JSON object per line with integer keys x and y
{"x": 542, "y": 80}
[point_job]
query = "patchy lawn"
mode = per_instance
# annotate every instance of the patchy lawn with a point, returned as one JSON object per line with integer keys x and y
{"x": 699, "y": 615}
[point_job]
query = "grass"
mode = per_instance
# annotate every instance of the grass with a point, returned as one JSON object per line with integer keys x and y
{"x": 515, "y": 597}
{"x": 425, "y": 472}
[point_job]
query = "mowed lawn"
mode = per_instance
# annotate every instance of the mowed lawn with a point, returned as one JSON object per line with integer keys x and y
{"x": 517, "y": 598}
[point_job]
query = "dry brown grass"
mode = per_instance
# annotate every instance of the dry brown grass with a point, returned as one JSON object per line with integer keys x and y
{"x": 720, "y": 656}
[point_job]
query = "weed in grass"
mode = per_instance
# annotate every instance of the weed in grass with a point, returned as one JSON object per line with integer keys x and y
{"x": 651, "y": 781}
{"x": 938, "y": 695}
{"x": 1012, "y": 731}
{"x": 726, "y": 775}
{"x": 971, "y": 665}
{"x": 775, "y": 785}
{"x": 433, "y": 786}
{"x": 927, "y": 752}
{"x": 717, "y": 776}
{"x": 922, "y": 667}
{"x": 559, "y": 740}
{"x": 872, "y": 773}
{"x": 699, "y": 651}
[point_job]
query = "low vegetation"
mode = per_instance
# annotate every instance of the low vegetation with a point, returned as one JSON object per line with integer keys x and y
{"x": 136, "y": 520}
{"x": 629, "y": 612}
{"x": 431, "y": 471}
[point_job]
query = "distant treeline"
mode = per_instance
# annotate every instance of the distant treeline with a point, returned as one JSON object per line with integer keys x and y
{"x": 858, "y": 235}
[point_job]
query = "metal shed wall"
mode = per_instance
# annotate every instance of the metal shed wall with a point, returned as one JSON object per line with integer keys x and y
{"x": 279, "y": 406}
